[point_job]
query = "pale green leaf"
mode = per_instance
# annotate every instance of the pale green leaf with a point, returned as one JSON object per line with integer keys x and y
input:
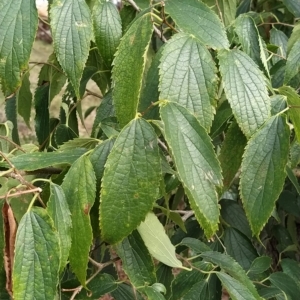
{"x": 230, "y": 266}
{"x": 293, "y": 6}
{"x": 72, "y": 31}
{"x": 196, "y": 163}
{"x": 263, "y": 171}
{"x": 228, "y": 10}
{"x": 36, "y": 263}
{"x": 129, "y": 67}
{"x": 157, "y": 241}
{"x": 293, "y": 63}
{"x": 58, "y": 210}
{"x": 130, "y": 182}
{"x": 107, "y": 29}
{"x": 152, "y": 294}
{"x": 39, "y": 160}
{"x": 196, "y": 18}
{"x": 294, "y": 37}
{"x": 245, "y": 90}
{"x": 24, "y": 99}
{"x": 79, "y": 186}
{"x": 293, "y": 100}
{"x": 278, "y": 38}
{"x": 136, "y": 260}
{"x": 235, "y": 289}
{"x": 18, "y": 23}
{"x": 188, "y": 77}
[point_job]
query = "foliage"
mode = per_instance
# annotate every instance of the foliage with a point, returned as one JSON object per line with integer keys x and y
{"x": 188, "y": 181}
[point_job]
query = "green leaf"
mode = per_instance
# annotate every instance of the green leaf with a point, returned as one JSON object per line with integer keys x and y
{"x": 130, "y": 182}
{"x": 129, "y": 67}
{"x": 36, "y": 161}
{"x": 231, "y": 153}
{"x": 157, "y": 241}
{"x": 136, "y": 260}
{"x": 24, "y": 99}
{"x": 18, "y": 23}
{"x": 293, "y": 6}
{"x": 196, "y": 163}
{"x": 293, "y": 63}
{"x": 203, "y": 23}
{"x": 36, "y": 257}
{"x": 107, "y": 29}
{"x": 229, "y": 265}
{"x": 247, "y": 32}
{"x": 71, "y": 25}
{"x": 278, "y": 103}
{"x": 196, "y": 245}
{"x": 293, "y": 101}
{"x": 260, "y": 265}
{"x": 52, "y": 74}
{"x": 58, "y": 210}
{"x": 285, "y": 283}
{"x": 294, "y": 37}
{"x": 152, "y": 294}
{"x": 188, "y": 77}
{"x": 63, "y": 134}
{"x": 235, "y": 289}
{"x": 245, "y": 90}
{"x": 97, "y": 287}
{"x": 271, "y": 293}
{"x": 263, "y": 171}
{"x": 11, "y": 115}
{"x": 126, "y": 292}
{"x": 278, "y": 38}
{"x": 79, "y": 187}
{"x": 228, "y": 10}
{"x": 239, "y": 247}
{"x": 165, "y": 276}
{"x": 292, "y": 268}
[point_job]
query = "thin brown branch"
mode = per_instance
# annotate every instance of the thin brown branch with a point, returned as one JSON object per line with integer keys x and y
{"x": 134, "y": 5}
{"x": 20, "y": 193}
{"x": 276, "y": 23}
{"x": 13, "y": 143}
{"x": 89, "y": 92}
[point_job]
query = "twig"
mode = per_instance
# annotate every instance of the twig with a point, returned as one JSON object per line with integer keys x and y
{"x": 220, "y": 12}
{"x": 160, "y": 34}
{"x": 134, "y": 5}
{"x": 17, "y": 194}
{"x": 186, "y": 213}
{"x": 89, "y": 92}
{"x": 276, "y": 23}
{"x": 163, "y": 145}
{"x": 13, "y": 143}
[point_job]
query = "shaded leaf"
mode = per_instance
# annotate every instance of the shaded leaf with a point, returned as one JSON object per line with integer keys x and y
{"x": 18, "y": 23}
{"x": 36, "y": 257}
{"x": 11, "y": 115}
{"x": 188, "y": 77}
{"x": 196, "y": 163}
{"x": 293, "y": 62}
{"x": 130, "y": 181}
{"x": 228, "y": 10}
{"x": 71, "y": 25}
{"x": 291, "y": 268}
{"x": 136, "y": 260}
{"x": 129, "y": 66}
{"x": 79, "y": 186}
{"x": 260, "y": 265}
{"x": 196, "y": 245}
{"x": 293, "y": 7}
{"x": 278, "y": 38}
{"x": 245, "y": 90}
{"x": 203, "y": 22}
{"x": 263, "y": 171}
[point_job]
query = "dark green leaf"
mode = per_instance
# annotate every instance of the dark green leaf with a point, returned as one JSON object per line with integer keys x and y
{"x": 107, "y": 29}
{"x": 278, "y": 103}
{"x": 293, "y": 6}
{"x": 293, "y": 63}
{"x": 292, "y": 268}
{"x": 129, "y": 67}
{"x": 188, "y": 77}
{"x": 196, "y": 245}
{"x": 165, "y": 276}
{"x": 202, "y": 22}
{"x": 152, "y": 294}
{"x": 36, "y": 257}
{"x": 245, "y": 90}
{"x": 279, "y": 39}
{"x": 260, "y": 265}
{"x": 231, "y": 153}
{"x": 131, "y": 180}
{"x": 63, "y": 134}
{"x": 58, "y": 210}
{"x": 196, "y": 162}
{"x": 11, "y": 115}
{"x": 126, "y": 292}
{"x": 71, "y": 24}
{"x": 263, "y": 171}
{"x": 18, "y": 23}
{"x": 79, "y": 187}
{"x": 136, "y": 260}
{"x": 270, "y": 293}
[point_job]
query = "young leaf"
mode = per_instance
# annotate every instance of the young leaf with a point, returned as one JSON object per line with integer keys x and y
{"x": 263, "y": 171}
{"x": 58, "y": 210}
{"x": 231, "y": 153}
{"x": 18, "y": 23}
{"x": 229, "y": 265}
{"x": 293, "y": 63}
{"x": 245, "y": 90}
{"x": 136, "y": 260}
{"x": 293, "y": 101}
{"x": 196, "y": 18}
{"x": 130, "y": 181}
{"x": 235, "y": 289}
{"x": 129, "y": 67}
{"x": 157, "y": 241}
{"x": 79, "y": 187}
{"x": 188, "y": 77}
{"x": 107, "y": 29}
{"x": 36, "y": 265}
{"x": 196, "y": 162}
{"x": 72, "y": 31}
